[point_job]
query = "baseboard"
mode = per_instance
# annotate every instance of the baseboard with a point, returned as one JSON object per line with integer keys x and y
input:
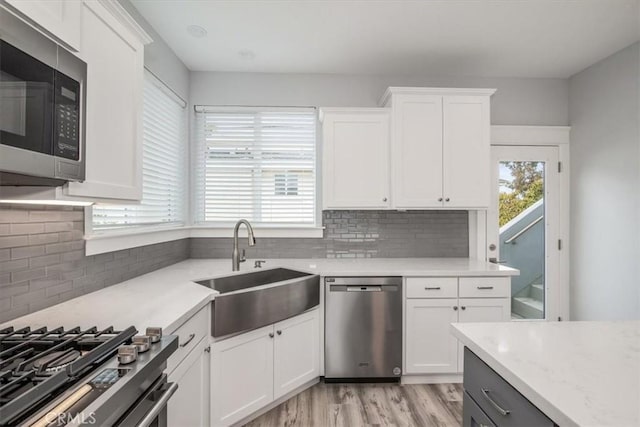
{"x": 431, "y": 379}
{"x": 277, "y": 402}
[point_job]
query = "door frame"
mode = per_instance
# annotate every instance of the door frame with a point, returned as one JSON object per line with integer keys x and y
{"x": 558, "y": 136}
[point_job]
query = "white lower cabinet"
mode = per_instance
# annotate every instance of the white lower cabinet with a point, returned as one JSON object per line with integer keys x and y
{"x": 251, "y": 370}
{"x": 296, "y": 353}
{"x": 189, "y": 406}
{"x": 430, "y": 347}
{"x": 242, "y": 375}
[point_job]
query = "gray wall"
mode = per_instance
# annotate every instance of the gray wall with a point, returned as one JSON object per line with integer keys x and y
{"x": 518, "y": 101}
{"x": 42, "y": 260}
{"x": 362, "y": 234}
{"x": 160, "y": 59}
{"x": 605, "y": 188}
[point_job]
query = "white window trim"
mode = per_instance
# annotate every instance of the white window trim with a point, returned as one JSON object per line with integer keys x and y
{"x": 101, "y": 243}
{"x": 315, "y": 230}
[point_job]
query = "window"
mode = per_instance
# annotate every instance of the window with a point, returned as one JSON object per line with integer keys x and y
{"x": 163, "y": 165}
{"x": 255, "y": 163}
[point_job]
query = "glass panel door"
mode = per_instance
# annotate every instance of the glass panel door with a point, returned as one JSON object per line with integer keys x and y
{"x": 522, "y": 222}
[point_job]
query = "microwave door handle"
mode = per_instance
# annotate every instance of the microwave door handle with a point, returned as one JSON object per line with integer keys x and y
{"x": 159, "y": 406}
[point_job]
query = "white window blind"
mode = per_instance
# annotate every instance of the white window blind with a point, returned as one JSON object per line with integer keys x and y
{"x": 255, "y": 163}
{"x": 163, "y": 165}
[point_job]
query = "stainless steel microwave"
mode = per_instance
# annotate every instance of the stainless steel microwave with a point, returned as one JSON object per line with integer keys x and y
{"x": 42, "y": 104}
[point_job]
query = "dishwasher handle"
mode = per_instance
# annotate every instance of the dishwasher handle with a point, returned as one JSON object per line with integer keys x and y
{"x": 364, "y": 288}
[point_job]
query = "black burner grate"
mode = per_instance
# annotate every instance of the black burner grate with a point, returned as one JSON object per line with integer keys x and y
{"x": 36, "y": 365}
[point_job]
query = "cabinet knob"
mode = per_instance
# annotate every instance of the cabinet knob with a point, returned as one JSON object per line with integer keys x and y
{"x": 384, "y": 199}
{"x": 279, "y": 332}
{"x": 270, "y": 334}
{"x": 463, "y": 307}
{"x": 208, "y": 349}
{"x": 447, "y": 199}
{"x": 440, "y": 199}
{"x": 455, "y": 307}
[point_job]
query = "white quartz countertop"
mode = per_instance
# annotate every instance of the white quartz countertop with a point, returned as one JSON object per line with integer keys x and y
{"x": 391, "y": 266}
{"x": 168, "y": 297}
{"x": 577, "y": 373}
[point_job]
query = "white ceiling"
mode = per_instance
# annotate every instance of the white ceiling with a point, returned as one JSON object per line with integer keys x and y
{"x": 491, "y": 38}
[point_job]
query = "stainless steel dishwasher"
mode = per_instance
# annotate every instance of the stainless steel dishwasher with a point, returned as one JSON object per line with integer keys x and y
{"x": 363, "y": 328}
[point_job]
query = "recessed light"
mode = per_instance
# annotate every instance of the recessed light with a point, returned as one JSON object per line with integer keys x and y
{"x": 196, "y": 31}
{"x": 247, "y": 54}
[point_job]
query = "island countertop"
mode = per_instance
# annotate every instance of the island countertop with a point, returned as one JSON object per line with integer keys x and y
{"x": 577, "y": 373}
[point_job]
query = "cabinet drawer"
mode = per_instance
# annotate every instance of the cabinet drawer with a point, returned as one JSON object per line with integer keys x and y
{"x": 495, "y": 396}
{"x": 485, "y": 287}
{"x": 432, "y": 287}
{"x": 190, "y": 333}
{"x": 472, "y": 415}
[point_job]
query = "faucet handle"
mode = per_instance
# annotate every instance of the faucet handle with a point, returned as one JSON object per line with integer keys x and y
{"x": 258, "y": 263}
{"x": 243, "y": 257}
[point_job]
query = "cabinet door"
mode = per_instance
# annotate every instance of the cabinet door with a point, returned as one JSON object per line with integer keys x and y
{"x": 356, "y": 159}
{"x": 189, "y": 406}
{"x": 466, "y": 151}
{"x": 296, "y": 352}
{"x": 242, "y": 375}
{"x": 416, "y": 152}
{"x": 481, "y": 310}
{"x": 430, "y": 346}
{"x": 113, "y": 154}
{"x": 61, "y": 18}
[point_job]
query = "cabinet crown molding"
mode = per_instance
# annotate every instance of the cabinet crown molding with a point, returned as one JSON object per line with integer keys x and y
{"x": 121, "y": 14}
{"x": 396, "y": 90}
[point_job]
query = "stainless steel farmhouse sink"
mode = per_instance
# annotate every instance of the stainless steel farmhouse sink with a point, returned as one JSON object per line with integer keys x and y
{"x": 252, "y": 300}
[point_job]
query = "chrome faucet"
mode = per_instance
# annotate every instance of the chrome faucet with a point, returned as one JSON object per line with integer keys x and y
{"x": 235, "y": 258}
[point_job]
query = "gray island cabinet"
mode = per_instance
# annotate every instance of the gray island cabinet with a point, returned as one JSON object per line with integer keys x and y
{"x": 489, "y": 400}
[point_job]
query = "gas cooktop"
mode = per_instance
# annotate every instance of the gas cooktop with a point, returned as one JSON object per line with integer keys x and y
{"x": 40, "y": 366}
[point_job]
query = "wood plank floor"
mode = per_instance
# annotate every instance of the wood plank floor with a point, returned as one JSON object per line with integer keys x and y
{"x": 353, "y": 405}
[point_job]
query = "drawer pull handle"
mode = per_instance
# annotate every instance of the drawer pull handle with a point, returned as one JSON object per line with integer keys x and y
{"x": 503, "y": 412}
{"x": 485, "y": 287}
{"x": 186, "y": 343}
{"x": 432, "y": 288}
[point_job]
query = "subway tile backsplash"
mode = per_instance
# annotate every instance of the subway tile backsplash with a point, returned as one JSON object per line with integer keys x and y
{"x": 361, "y": 234}
{"x": 42, "y": 260}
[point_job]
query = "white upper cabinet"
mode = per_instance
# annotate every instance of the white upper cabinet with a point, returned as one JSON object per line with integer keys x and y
{"x": 114, "y": 53}
{"x": 416, "y": 151}
{"x": 466, "y": 146}
{"x": 60, "y": 19}
{"x": 440, "y": 147}
{"x": 355, "y": 158}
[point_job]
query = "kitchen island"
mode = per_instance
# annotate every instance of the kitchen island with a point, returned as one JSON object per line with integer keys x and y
{"x": 576, "y": 373}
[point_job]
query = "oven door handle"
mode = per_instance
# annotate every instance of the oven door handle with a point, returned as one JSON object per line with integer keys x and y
{"x": 159, "y": 406}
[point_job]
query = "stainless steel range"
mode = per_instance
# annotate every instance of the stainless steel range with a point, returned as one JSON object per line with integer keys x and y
{"x": 74, "y": 377}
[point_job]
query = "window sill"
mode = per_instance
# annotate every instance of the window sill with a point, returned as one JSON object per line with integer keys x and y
{"x": 126, "y": 239}
{"x": 115, "y": 241}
